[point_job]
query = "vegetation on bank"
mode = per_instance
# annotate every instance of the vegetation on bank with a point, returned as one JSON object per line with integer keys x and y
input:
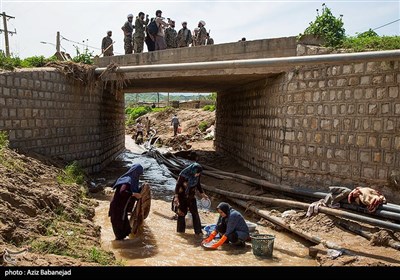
{"x": 331, "y": 30}
{"x": 72, "y": 174}
{"x": 12, "y": 62}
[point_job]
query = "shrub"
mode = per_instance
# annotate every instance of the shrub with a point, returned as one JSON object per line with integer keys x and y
{"x": 328, "y": 27}
{"x": 37, "y": 61}
{"x": 136, "y": 112}
{"x": 86, "y": 57}
{"x": 210, "y": 108}
{"x": 9, "y": 63}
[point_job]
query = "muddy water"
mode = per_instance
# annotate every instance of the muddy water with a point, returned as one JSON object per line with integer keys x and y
{"x": 158, "y": 244}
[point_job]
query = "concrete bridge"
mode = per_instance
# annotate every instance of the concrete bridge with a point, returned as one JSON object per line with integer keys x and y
{"x": 289, "y": 112}
{"x": 203, "y": 77}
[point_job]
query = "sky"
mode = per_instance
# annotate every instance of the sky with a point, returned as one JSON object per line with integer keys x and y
{"x": 83, "y": 23}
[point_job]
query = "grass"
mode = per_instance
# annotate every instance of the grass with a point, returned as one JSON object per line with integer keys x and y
{"x": 100, "y": 256}
{"x": 371, "y": 43}
{"x": 72, "y": 174}
{"x": 3, "y": 140}
{"x": 203, "y": 126}
{"x": 66, "y": 237}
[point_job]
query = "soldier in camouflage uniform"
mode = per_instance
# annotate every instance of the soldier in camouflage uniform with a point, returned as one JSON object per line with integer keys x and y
{"x": 171, "y": 36}
{"x": 128, "y": 30}
{"x": 107, "y": 45}
{"x": 138, "y": 36}
{"x": 202, "y": 35}
{"x": 184, "y": 37}
{"x": 210, "y": 41}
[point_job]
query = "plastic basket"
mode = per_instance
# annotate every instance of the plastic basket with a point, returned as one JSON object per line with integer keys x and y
{"x": 262, "y": 244}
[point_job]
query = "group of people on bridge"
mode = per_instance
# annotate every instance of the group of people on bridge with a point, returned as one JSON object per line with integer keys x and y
{"x": 157, "y": 33}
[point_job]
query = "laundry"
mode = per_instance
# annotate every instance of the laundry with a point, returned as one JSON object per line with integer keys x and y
{"x": 367, "y": 196}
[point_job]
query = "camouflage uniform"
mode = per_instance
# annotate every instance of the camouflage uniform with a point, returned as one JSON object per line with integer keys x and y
{"x": 107, "y": 41}
{"x": 201, "y": 36}
{"x": 128, "y": 42}
{"x": 171, "y": 38}
{"x": 184, "y": 38}
{"x": 138, "y": 36}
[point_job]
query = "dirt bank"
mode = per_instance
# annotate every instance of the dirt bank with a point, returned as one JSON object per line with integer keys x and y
{"x": 53, "y": 220}
{"x": 190, "y": 138}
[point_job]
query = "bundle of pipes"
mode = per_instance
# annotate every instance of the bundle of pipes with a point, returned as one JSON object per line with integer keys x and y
{"x": 392, "y": 211}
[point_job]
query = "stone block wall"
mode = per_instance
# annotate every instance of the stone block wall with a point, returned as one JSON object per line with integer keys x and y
{"x": 317, "y": 126}
{"x": 45, "y": 112}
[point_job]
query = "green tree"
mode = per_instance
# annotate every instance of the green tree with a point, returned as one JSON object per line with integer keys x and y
{"x": 328, "y": 27}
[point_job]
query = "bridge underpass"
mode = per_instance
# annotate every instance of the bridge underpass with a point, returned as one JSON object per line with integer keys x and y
{"x": 287, "y": 117}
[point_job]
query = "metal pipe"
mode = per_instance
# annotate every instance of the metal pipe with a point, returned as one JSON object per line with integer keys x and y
{"x": 304, "y": 206}
{"x": 260, "y": 62}
{"x": 291, "y": 190}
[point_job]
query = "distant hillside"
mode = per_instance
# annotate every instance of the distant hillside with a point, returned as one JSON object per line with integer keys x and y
{"x": 152, "y": 97}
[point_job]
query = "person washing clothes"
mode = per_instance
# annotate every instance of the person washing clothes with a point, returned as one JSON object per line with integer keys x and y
{"x": 231, "y": 226}
{"x": 184, "y": 199}
{"x": 127, "y": 191}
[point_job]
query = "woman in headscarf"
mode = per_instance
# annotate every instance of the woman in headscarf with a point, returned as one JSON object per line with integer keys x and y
{"x": 185, "y": 190}
{"x": 127, "y": 191}
{"x": 231, "y": 226}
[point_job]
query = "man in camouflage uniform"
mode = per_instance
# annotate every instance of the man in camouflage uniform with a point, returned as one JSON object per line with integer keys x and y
{"x": 194, "y": 37}
{"x": 138, "y": 36}
{"x": 107, "y": 45}
{"x": 184, "y": 37}
{"x": 128, "y": 31}
{"x": 210, "y": 41}
{"x": 171, "y": 36}
{"x": 202, "y": 35}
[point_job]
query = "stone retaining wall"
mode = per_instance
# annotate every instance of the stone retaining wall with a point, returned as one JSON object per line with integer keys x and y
{"x": 45, "y": 112}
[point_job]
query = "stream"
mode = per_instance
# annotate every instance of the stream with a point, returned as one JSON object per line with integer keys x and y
{"x": 158, "y": 243}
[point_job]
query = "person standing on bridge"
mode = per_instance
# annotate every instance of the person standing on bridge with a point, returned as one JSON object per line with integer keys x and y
{"x": 140, "y": 26}
{"x": 171, "y": 36}
{"x": 184, "y": 37}
{"x": 160, "y": 36}
{"x": 184, "y": 198}
{"x": 210, "y": 41}
{"x": 175, "y": 123}
{"x": 127, "y": 28}
{"x": 202, "y": 35}
{"x": 107, "y": 48}
{"x": 127, "y": 191}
